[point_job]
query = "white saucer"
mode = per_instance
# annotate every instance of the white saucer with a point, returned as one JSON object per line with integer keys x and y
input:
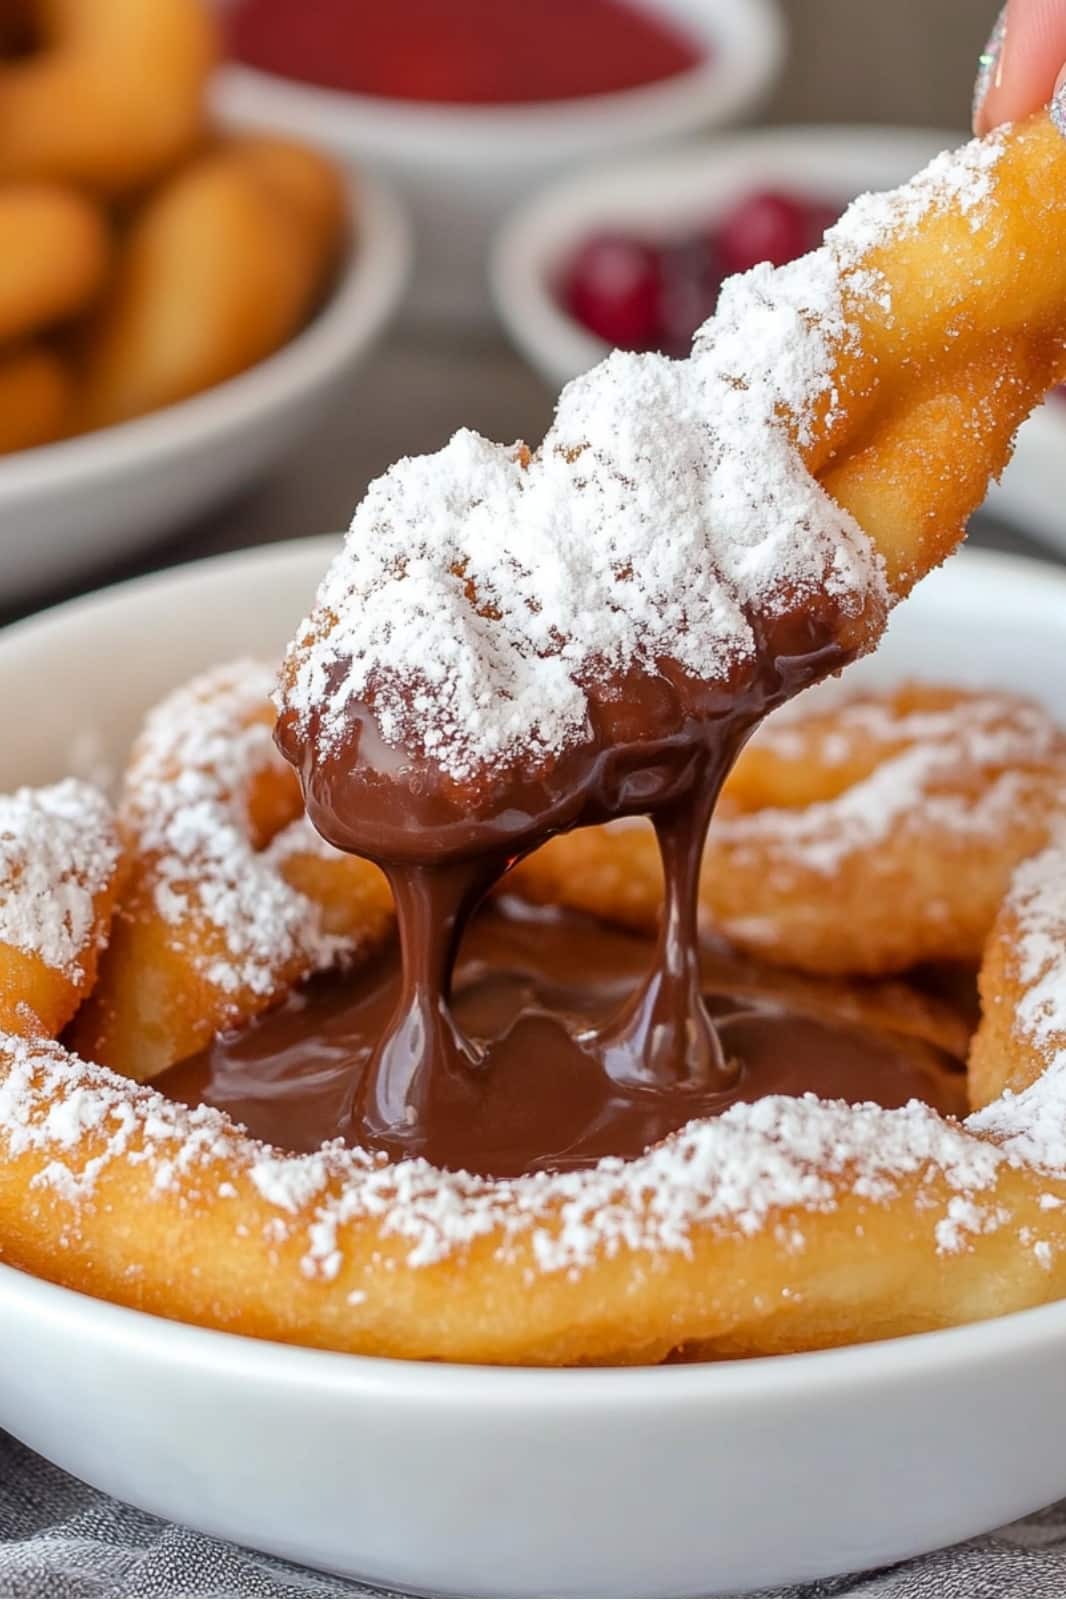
{"x": 661, "y": 1481}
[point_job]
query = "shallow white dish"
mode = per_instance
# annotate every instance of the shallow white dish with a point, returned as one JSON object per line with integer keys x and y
{"x": 674, "y": 1480}
{"x": 67, "y": 507}
{"x": 663, "y": 194}
{"x": 461, "y": 167}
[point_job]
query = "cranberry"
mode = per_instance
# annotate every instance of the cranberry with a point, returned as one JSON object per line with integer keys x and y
{"x": 689, "y": 281}
{"x": 820, "y": 218}
{"x": 613, "y": 288}
{"x": 767, "y": 226}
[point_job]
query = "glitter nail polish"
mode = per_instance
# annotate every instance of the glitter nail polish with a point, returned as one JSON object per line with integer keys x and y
{"x": 1058, "y": 105}
{"x": 988, "y": 62}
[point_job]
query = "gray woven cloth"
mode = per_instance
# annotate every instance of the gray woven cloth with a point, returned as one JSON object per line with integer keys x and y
{"x": 59, "y": 1537}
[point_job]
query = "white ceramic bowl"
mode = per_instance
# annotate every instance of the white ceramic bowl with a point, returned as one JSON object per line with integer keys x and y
{"x": 661, "y": 1481}
{"x": 663, "y": 195}
{"x": 68, "y": 507}
{"x": 461, "y": 167}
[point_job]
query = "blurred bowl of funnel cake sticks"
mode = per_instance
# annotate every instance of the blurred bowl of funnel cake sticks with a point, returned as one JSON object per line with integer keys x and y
{"x": 179, "y": 300}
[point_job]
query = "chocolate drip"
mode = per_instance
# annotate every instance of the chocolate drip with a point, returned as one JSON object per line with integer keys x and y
{"x": 535, "y": 990}
{"x": 659, "y": 743}
{"x": 664, "y": 1038}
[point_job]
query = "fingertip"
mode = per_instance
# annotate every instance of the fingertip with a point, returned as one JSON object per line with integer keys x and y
{"x": 989, "y": 72}
{"x": 1021, "y": 67}
{"x": 1057, "y": 107}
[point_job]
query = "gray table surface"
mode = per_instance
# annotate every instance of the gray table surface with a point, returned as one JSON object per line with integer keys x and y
{"x": 420, "y": 386}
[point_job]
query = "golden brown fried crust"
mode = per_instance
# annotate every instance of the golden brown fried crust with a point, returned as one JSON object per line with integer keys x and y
{"x": 1022, "y": 1033}
{"x": 155, "y": 256}
{"x": 36, "y": 395}
{"x": 1001, "y": 1056}
{"x": 55, "y": 251}
{"x": 970, "y": 337}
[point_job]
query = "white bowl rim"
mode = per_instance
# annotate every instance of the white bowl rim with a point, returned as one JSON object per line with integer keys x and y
{"x": 420, "y": 1382}
{"x": 367, "y": 290}
{"x": 266, "y": 1359}
{"x": 537, "y": 233}
{"x": 749, "y": 36}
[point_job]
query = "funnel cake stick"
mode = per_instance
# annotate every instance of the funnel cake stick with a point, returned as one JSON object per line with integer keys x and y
{"x": 512, "y": 646}
{"x": 963, "y": 333}
{"x": 483, "y": 595}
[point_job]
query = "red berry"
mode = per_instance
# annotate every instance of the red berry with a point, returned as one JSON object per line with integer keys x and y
{"x": 613, "y": 288}
{"x": 767, "y": 226}
{"x": 689, "y": 281}
{"x": 820, "y": 218}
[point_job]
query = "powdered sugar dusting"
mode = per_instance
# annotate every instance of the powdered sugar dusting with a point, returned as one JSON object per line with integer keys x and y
{"x": 79, "y": 1122}
{"x": 962, "y": 770}
{"x": 961, "y": 179}
{"x": 58, "y": 851}
{"x": 1038, "y": 899}
{"x": 300, "y": 838}
{"x": 478, "y": 596}
{"x": 989, "y": 726}
{"x": 187, "y": 798}
{"x": 755, "y": 1168}
{"x": 1032, "y": 1124}
{"x": 740, "y": 1171}
{"x": 481, "y": 592}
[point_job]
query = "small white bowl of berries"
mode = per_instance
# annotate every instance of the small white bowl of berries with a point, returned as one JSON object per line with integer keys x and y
{"x": 633, "y": 255}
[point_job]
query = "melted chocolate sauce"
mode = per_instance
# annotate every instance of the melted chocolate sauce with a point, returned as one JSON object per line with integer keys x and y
{"x": 659, "y": 743}
{"x": 534, "y": 996}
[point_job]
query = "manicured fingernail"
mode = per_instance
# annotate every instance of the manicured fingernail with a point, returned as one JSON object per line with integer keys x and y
{"x": 989, "y": 63}
{"x": 1058, "y": 104}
